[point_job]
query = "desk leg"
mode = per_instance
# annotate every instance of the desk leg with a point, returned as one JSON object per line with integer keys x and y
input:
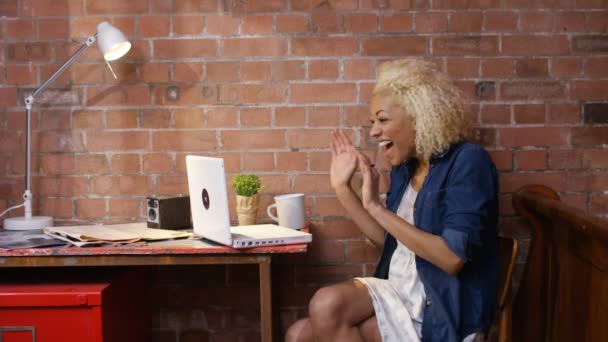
{"x": 266, "y": 300}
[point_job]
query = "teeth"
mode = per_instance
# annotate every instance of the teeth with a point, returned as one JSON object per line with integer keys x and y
{"x": 384, "y": 143}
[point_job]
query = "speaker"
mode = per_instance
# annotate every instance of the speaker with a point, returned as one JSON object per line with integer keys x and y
{"x": 168, "y": 212}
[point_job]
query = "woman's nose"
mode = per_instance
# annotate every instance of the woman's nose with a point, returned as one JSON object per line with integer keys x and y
{"x": 374, "y": 131}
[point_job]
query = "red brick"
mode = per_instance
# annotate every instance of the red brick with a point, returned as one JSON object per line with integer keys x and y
{"x": 252, "y": 93}
{"x": 596, "y": 67}
{"x": 597, "y": 22}
{"x": 463, "y": 67}
{"x": 255, "y": 117}
{"x": 430, "y": 22}
{"x": 532, "y": 90}
{"x": 465, "y": 22}
{"x": 253, "y": 139}
{"x": 595, "y": 159}
{"x": 133, "y": 95}
{"x": 531, "y": 160}
{"x": 565, "y": 159}
{"x": 362, "y": 251}
{"x": 247, "y": 47}
{"x": 188, "y": 118}
{"x": 154, "y": 26}
{"x": 125, "y": 73}
{"x": 529, "y": 113}
{"x": 163, "y": 6}
{"x": 189, "y": 94}
{"x": 311, "y": 93}
{"x": 326, "y": 252}
{"x": 221, "y": 117}
{"x": 218, "y": 72}
{"x": 87, "y": 119}
{"x": 495, "y": 114}
{"x": 18, "y": 28}
{"x": 395, "y": 46}
{"x": 155, "y": 118}
{"x": 9, "y": 8}
{"x": 125, "y": 163}
{"x": 569, "y": 22}
{"x": 63, "y": 186}
{"x": 113, "y": 7}
{"x": 21, "y": 74}
{"x": 535, "y": 21}
{"x": 312, "y": 183}
{"x": 151, "y": 72}
{"x": 500, "y": 21}
{"x": 396, "y": 22}
{"x": 60, "y": 142}
{"x": 183, "y": 141}
{"x": 288, "y": 70}
{"x": 187, "y": 25}
{"x": 28, "y": 52}
{"x": 276, "y": 184}
{"x": 291, "y": 23}
{"x": 365, "y": 91}
{"x": 90, "y": 208}
{"x": 290, "y": 116}
{"x": 117, "y": 141}
{"x": 563, "y": 113}
{"x": 537, "y": 4}
{"x": 184, "y": 48}
{"x": 511, "y": 182}
{"x": 598, "y": 204}
{"x": 324, "y": 46}
{"x": 597, "y": 4}
{"x": 57, "y": 164}
{"x": 326, "y": 23}
{"x": 502, "y": 159}
{"x": 465, "y": 45}
{"x": 531, "y": 68}
{"x": 54, "y": 120}
{"x": 124, "y": 207}
{"x": 57, "y": 207}
{"x": 44, "y": 8}
{"x": 120, "y": 185}
{"x": 588, "y": 90}
{"x": 358, "y": 69}
{"x": 324, "y": 116}
{"x": 91, "y": 164}
{"x": 256, "y": 71}
{"x": 362, "y": 22}
{"x": 121, "y": 119}
{"x": 157, "y": 163}
{"x": 468, "y": 4}
{"x": 323, "y": 69}
{"x": 314, "y": 5}
{"x": 256, "y": 24}
{"x": 534, "y": 45}
{"x": 258, "y": 161}
{"x": 87, "y": 73}
{"x": 291, "y": 161}
{"x": 46, "y": 70}
{"x": 587, "y": 181}
{"x": 589, "y": 136}
{"x": 308, "y": 138}
{"x": 565, "y": 66}
{"x": 533, "y": 136}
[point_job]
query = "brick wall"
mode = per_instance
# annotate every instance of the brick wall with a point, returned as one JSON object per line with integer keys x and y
{"x": 261, "y": 83}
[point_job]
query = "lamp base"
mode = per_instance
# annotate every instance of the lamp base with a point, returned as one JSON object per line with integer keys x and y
{"x": 23, "y": 223}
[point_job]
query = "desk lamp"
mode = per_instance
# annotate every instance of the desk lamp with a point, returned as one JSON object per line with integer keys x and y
{"x": 113, "y": 45}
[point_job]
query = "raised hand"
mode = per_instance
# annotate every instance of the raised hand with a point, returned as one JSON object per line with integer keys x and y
{"x": 343, "y": 159}
{"x": 370, "y": 191}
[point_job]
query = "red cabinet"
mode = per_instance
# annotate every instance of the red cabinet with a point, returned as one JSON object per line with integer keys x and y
{"x": 75, "y": 312}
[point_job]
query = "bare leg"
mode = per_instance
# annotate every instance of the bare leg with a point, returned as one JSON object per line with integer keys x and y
{"x": 300, "y": 331}
{"x": 370, "y": 331}
{"x": 337, "y": 310}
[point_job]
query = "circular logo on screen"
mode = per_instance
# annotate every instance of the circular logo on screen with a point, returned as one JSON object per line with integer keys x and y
{"x": 205, "y": 199}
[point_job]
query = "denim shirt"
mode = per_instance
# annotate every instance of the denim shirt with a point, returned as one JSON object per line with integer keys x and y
{"x": 459, "y": 202}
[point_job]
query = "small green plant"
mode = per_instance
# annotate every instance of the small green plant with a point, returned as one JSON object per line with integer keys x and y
{"x": 246, "y": 185}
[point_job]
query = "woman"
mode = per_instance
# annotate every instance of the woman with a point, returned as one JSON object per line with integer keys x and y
{"x": 437, "y": 275}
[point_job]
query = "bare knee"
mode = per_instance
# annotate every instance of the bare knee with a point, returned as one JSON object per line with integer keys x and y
{"x": 325, "y": 306}
{"x": 300, "y": 331}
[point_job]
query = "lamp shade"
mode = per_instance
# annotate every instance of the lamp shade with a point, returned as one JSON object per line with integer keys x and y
{"x": 112, "y": 43}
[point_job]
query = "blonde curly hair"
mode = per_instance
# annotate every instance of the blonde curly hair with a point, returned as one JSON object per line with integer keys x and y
{"x": 430, "y": 98}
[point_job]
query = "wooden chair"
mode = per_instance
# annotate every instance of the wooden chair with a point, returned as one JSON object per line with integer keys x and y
{"x": 508, "y": 254}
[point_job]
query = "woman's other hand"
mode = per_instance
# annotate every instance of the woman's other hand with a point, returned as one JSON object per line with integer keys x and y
{"x": 343, "y": 159}
{"x": 370, "y": 192}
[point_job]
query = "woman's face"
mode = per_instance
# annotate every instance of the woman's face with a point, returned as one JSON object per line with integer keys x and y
{"x": 393, "y": 129}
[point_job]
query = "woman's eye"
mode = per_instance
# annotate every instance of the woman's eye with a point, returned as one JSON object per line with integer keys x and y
{"x": 382, "y": 120}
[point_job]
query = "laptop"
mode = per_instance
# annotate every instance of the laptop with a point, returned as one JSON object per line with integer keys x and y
{"x": 211, "y": 217}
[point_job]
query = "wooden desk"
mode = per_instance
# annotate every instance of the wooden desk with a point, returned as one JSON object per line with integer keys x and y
{"x": 178, "y": 252}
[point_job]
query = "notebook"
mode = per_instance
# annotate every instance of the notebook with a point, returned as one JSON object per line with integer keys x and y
{"x": 211, "y": 217}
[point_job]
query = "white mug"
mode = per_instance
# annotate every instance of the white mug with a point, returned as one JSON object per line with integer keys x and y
{"x": 290, "y": 211}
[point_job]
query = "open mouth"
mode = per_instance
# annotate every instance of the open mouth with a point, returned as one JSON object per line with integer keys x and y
{"x": 386, "y": 144}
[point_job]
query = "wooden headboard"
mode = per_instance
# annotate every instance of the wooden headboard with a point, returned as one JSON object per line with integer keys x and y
{"x": 563, "y": 294}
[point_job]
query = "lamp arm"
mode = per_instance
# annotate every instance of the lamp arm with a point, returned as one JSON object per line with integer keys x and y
{"x": 29, "y": 101}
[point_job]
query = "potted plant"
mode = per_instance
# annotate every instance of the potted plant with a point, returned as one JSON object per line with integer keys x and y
{"x": 246, "y": 187}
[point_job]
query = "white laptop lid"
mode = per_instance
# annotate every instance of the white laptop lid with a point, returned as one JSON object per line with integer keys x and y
{"x": 208, "y": 198}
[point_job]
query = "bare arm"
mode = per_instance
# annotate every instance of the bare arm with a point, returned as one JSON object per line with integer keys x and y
{"x": 425, "y": 245}
{"x": 343, "y": 166}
